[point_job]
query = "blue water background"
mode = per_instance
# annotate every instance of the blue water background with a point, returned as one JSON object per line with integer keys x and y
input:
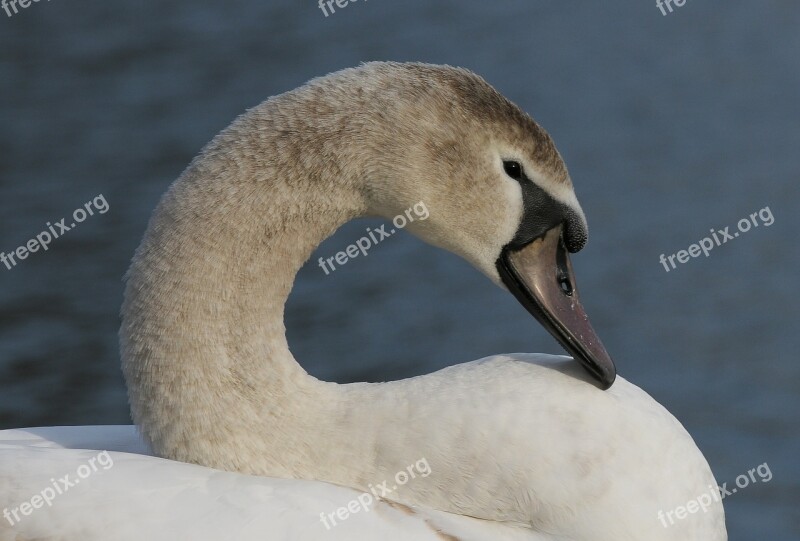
{"x": 670, "y": 126}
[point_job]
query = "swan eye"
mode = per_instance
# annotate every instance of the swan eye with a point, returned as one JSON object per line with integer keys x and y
{"x": 513, "y": 169}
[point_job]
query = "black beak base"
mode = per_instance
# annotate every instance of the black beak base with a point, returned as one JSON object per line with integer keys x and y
{"x": 540, "y": 276}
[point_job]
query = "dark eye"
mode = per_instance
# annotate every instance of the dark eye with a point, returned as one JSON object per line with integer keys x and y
{"x": 513, "y": 169}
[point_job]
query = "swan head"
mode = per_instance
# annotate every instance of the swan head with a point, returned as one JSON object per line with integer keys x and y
{"x": 495, "y": 189}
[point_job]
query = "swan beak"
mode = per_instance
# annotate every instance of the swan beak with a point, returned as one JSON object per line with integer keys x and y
{"x": 540, "y": 276}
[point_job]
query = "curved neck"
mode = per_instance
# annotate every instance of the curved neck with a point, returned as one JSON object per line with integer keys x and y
{"x": 203, "y": 341}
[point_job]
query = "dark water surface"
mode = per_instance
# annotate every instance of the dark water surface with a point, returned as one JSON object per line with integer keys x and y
{"x": 670, "y": 125}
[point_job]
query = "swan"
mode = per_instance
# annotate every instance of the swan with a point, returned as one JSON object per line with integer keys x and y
{"x": 235, "y": 439}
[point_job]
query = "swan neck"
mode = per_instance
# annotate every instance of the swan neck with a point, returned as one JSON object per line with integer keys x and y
{"x": 203, "y": 342}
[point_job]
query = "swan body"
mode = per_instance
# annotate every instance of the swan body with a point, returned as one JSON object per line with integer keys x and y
{"x": 143, "y": 496}
{"x": 136, "y": 496}
{"x": 519, "y": 446}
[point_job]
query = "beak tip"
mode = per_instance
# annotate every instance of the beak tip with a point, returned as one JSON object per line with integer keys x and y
{"x": 603, "y": 374}
{"x": 608, "y": 380}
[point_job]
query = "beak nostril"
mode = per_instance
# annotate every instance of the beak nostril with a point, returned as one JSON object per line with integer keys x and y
{"x": 566, "y": 285}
